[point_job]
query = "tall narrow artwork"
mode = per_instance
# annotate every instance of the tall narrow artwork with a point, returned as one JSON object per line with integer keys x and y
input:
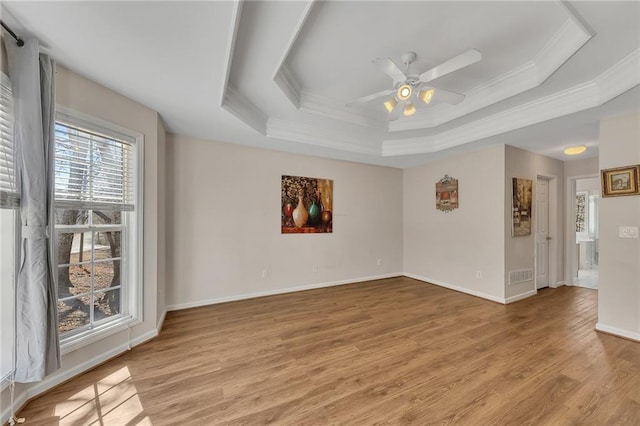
{"x": 522, "y": 197}
{"x": 447, "y": 194}
{"x": 306, "y": 205}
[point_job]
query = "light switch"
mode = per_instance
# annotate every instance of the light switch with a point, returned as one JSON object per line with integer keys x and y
{"x": 628, "y": 232}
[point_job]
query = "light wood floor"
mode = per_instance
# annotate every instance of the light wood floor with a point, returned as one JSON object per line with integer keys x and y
{"x": 393, "y": 351}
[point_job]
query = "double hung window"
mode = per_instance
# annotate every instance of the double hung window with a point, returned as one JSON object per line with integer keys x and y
{"x": 96, "y": 226}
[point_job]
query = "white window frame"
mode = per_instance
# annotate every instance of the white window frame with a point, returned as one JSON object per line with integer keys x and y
{"x": 8, "y": 342}
{"x": 132, "y": 265}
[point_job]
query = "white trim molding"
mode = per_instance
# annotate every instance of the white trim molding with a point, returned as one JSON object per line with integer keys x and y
{"x": 457, "y": 288}
{"x": 631, "y": 335}
{"x": 245, "y": 110}
{"x": 520, "y": 296}
{"x": 321, "y": 137}
{"x": 237, "y": 297}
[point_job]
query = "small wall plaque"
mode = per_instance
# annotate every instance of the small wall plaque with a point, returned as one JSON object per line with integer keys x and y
{"x": 447, "y": 194}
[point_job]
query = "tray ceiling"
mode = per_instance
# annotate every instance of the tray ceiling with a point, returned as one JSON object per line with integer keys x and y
{"x": 278, "y": 74}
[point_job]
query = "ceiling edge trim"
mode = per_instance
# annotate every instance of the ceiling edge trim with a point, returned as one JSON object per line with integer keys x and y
{"x": 289, "y": 85}
{"x": 329, "y": 108}
{"x": 242, "y": 108}
{"x": 562, "y": 45}
{"x": 283, "y": 77}
{"x": 616, "y": 80}
{"x": 231, "y": 46}
{"x": 310, "y": 135}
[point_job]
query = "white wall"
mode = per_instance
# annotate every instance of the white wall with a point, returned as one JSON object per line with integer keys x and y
{"x": 223, "y": 223}
{"x": 520, "y": 251}
{"x": 450, "y": 248}
{"x": 619, "y": 266}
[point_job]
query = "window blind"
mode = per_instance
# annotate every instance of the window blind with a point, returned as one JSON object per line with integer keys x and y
{"x": 93, "y": 171}
{"x": 9, "y": 196}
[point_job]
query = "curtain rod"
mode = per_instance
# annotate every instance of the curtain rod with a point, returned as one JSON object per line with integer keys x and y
{"x": 19, "y": 41}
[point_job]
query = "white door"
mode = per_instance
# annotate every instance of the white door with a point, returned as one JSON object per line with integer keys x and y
{"x": 542, "y": 233}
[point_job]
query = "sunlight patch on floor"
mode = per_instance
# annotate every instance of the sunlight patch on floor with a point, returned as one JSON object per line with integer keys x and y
{"x": 111, "y": 400}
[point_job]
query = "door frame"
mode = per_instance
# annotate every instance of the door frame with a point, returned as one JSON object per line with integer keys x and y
{"x": 571, "y": 264}
{"x": 554, "y": 233}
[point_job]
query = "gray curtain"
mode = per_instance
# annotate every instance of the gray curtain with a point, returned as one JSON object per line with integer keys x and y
{"x": 32, "y": 83}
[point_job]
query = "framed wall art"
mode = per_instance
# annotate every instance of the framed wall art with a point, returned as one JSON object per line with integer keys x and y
{"x": 306, "y": 205}
{"x": 447, "y": 194}
{"x": 620, "y": 181}
{"x": 522, "y": 196}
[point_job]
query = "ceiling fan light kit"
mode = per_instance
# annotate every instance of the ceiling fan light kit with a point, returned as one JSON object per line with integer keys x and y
{"x": 412, "y": 85}
{"x": 390, "y": 104}
{"x": 409, "y": 109}
{"x": 426, "y": 96}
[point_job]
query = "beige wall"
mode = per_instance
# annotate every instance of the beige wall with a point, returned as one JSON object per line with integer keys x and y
{"x": 450, "y": 248}
{"x": 520, "y": 251}
{"x": 161, "y": 290}
{"x": 223, "y": 223}
{"x": 619, "y": 266}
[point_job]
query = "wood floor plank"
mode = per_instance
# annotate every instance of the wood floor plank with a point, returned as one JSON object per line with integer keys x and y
{"x": 393, "y": 351}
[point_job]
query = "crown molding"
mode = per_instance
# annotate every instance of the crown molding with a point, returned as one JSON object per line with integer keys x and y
{"x": 231, "y": 46}
{"x": 241, "y": 107}
{"x": 330, "y": 108}
{"x": 611, "y": 83}
{"x": 565, "y": 43}
{"x": 286, "y": 81}
{"x": 283, "y": 76}
{"x": 321, "y": 137}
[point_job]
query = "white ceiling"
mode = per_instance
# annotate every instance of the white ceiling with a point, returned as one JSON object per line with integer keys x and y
{"x": 278, "y": 74}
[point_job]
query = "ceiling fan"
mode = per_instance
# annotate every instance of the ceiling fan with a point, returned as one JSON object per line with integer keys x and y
{"x": 412, "y": 89}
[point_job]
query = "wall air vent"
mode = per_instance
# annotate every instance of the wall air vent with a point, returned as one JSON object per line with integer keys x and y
{"x": 520, "y": 276}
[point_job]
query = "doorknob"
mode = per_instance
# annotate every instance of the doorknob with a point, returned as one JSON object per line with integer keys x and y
{"x": 548, "y": 238}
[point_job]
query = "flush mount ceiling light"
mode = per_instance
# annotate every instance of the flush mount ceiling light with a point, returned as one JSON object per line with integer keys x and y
{"x": 575, "y": 150}
{"x": 411, "y": 90}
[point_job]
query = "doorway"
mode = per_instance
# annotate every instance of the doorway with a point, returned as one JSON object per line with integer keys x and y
{"x": 542, "y": 236}
{"x": 587, "y": 200}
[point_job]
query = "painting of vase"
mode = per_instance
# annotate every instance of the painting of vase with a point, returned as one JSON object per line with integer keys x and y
{"x": 306, "y": 205}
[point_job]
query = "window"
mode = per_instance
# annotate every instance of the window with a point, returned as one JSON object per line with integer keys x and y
{"x": 9, "y": 200}
{"x": 97, "y": 211}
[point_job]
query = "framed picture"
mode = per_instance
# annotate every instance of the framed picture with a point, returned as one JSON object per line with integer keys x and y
{"x": 447, "y": 194}
{"x": 620, "y": 181}
{"x": 306, "y": 205}
{"x": 522, "y": 197}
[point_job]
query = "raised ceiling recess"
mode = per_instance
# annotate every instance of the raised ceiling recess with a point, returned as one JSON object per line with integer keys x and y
{"x": 323, "y": 57}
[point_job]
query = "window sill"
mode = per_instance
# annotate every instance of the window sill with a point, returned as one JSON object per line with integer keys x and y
{"x": 75, "y": 342}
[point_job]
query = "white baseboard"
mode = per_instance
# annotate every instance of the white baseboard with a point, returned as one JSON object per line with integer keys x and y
{"x": 237, "y": 297}
{"x": 161, "y": 321}
{"x": 520, "y": 296}
{"x": 558, "y": 284}
{"x": 457, "y": 288}
{"x": 631, "y": 335}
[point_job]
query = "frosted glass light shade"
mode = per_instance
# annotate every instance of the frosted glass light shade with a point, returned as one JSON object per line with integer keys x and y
{"x": 409, "y": 109}
{"x": 390, "y": 104}
{"x": 426, "y": 95}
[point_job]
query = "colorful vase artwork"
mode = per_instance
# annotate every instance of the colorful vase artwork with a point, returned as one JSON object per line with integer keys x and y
{"x": 300, "y": 214}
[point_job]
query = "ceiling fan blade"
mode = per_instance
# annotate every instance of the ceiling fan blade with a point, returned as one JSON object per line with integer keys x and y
{"x": 447, "y": 97}
{"x": 463, "y": 60}
{"x": 370, "y": 97}
{"x": 389, "y": 67}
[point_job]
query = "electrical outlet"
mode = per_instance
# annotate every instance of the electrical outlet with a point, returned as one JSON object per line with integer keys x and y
{"x": 479, "y": 275}
{"x": 379, "y": 262}
{"x": 265, "y": 273}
